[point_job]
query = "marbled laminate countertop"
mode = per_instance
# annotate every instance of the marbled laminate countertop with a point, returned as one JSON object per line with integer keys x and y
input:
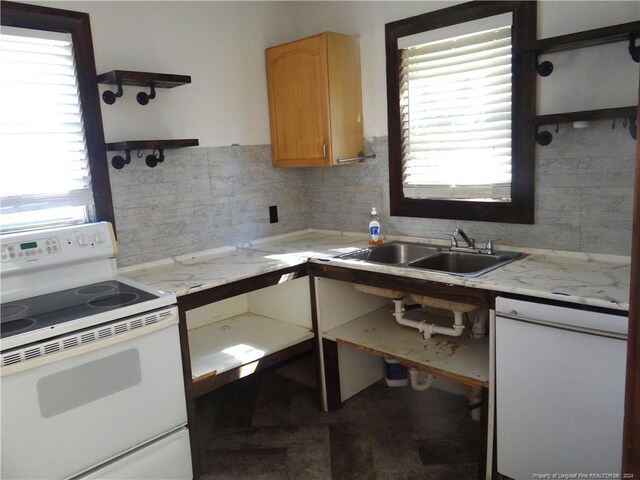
{"x": 588, "y": 279}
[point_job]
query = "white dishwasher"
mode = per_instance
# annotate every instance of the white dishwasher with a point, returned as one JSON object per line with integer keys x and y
{"x": 560, "y": 379}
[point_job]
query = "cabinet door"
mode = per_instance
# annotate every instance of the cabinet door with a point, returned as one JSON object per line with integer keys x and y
{"x": 299, "y": 103}
{"x": 345, "y": 99}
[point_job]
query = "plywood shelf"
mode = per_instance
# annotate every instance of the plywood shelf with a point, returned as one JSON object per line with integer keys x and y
{"x": 462, "y": 359}
{"x": 238, "y": 342}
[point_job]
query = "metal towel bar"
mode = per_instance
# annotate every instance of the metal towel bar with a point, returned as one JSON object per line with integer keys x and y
{"x": 360, "y": 158}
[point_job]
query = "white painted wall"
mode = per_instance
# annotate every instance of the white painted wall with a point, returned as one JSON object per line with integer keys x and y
{"x": 580, "y": 81}
{"x": 221, "y": 45}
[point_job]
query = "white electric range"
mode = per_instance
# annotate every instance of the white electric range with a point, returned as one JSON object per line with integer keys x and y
{"x": 91, "y": 377}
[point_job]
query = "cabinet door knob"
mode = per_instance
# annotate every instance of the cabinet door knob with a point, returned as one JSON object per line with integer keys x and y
{"x": 324, "y": 151}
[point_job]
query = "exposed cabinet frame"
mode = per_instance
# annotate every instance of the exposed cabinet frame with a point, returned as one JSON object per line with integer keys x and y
{"x": 473, "y": 296}
{"x": 208, "y": 383}
{"x": 331, "y": 350}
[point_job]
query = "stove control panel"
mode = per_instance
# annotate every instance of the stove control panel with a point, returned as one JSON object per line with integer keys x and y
{"x": 38, "y": 249}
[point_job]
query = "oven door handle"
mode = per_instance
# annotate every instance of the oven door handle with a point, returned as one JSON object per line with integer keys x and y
{"x": 86, "y": 348}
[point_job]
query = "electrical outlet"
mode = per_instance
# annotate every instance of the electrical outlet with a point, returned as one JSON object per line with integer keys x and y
{"x": 273, "y": 214}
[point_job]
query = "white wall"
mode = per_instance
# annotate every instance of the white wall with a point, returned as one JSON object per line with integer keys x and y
{"x": 581, "y": 80}
{"x": 219, "y": 44}
{"x": 207, "y": 197}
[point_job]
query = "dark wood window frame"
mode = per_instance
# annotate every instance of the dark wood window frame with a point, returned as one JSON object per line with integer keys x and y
{"x": 521, "y": 207}
{"x": 77, "y": 24}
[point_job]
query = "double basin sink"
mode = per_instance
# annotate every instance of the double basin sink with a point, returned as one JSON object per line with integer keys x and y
{"x": 436, "y": 259}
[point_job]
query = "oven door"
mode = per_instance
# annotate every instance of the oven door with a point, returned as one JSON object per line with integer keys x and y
{"x": 70, "y": 411}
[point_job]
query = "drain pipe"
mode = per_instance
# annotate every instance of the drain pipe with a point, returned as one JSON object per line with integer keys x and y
{"x": 479, "y": 324}
{"x": 416, "y": 384}
{"x": 428, "y": 329}
{"x": 398, "y": 314}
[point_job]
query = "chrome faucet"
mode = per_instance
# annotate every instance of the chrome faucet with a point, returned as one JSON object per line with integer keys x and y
{"x": 471, "y": 243}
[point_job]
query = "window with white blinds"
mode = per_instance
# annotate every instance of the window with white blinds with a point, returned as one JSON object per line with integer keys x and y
{"x": 455, "y": 112}
{"x": 45, "y": 178}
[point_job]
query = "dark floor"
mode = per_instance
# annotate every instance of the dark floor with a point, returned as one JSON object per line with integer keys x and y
{"x": 267, "y": 427}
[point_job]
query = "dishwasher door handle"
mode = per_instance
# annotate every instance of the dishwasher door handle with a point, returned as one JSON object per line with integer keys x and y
{"x": 513, "y": 315}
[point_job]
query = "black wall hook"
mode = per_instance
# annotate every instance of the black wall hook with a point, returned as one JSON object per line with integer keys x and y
{"x": 143, "y": 98}
{"x": 110, "y": 97}
{"x": 119, "y": 162}
{"x": 545, "y": 68}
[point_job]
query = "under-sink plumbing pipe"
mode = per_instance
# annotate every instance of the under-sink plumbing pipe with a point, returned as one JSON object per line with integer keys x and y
{"x": 479, "y": 323}
{"x": 418, "y": 385}
{"x": 428, "y": 329}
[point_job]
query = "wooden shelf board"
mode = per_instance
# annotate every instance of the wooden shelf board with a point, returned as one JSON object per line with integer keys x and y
{"x": 153, "y": 144}
{"x": 461, "y": 359}
{"x": 238, "y": 341}
{"x": 143, "y": 79}
{"x": 588, "y": 38}
{"x": 606, "y": 113}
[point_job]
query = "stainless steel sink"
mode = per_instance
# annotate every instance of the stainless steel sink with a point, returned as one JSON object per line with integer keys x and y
{"x": 463, "y": 263}
{"x": 426, "y": 257}
{"x": 393, "y": 253}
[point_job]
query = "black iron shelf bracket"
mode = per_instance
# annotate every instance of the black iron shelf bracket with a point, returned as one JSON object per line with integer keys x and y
{"x": 143, "y": 97}
{"x": 119, "y": 162}
{"x": 110, "y": 97}
{"x": 634, "y": 50}
{"x": 545, "y": 68}
{"x": 156, "y": 147}
{"x": 139, "y": 79}
{"x": 544, "y": 137}
{"x": 152, "y": 159}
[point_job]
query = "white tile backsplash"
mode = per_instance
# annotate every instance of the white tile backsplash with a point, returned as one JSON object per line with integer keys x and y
{"x": 202, "y": 198}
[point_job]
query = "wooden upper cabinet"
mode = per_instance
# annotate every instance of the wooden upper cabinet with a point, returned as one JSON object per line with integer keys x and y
{"x": 315, "y": 100}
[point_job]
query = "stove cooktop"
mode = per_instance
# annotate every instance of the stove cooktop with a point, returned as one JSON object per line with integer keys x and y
{"x": 46, "y": 311}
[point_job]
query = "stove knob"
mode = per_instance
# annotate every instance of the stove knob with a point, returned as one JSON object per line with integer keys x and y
{"x": 99, "y": 237}
{"x": 82, "y": 239}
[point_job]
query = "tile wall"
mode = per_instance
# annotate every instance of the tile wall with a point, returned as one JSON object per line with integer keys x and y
{"x": 584, "y": 193}
{"x": 202, "y": 198}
